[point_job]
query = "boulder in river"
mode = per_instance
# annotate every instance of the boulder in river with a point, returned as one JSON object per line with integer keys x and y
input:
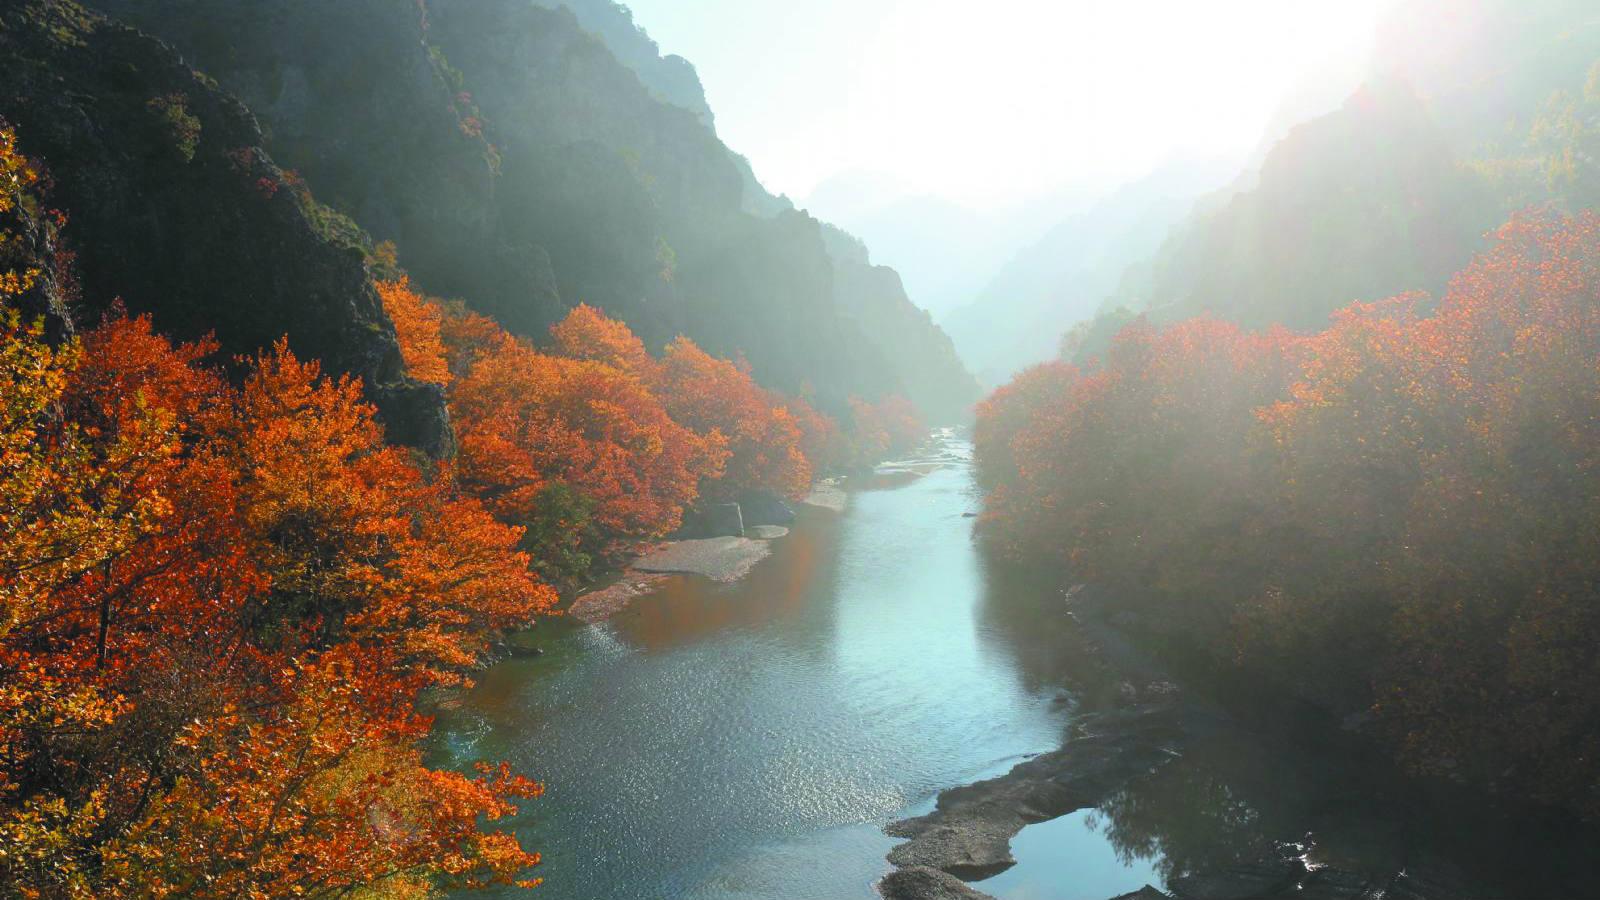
{"x": 923, "y": 883}
{"x": 969, "y": 832}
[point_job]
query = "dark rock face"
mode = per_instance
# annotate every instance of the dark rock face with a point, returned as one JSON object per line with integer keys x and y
{"x": 31, "y": 244}
{"x": 923, "y": 883}
{"x": 764, "y": 508}
{"x": 713, "y": 520}
{"x": 176, "y": 209}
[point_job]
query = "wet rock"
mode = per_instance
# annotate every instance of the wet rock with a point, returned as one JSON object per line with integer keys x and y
{"x": 766, "y": 532}
{"x": 969, "y": 832}
{"x": 602, "y": 604}
{"x": 973, "y": 848}
{"x": 923, "y": 883}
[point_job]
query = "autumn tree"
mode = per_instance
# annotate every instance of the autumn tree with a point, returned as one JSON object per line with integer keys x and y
{"x": 1396, "y": 514}
{"x": 217, "y": 606}
{"x": 577, "y": 450}
{"x": 718, "y": 397}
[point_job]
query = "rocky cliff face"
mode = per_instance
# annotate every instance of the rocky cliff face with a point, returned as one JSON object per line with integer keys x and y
{"x": 903, "y": 332}
{"x": 176, "y": 208}
{"x": 517, "y": 164}
{"x": 670, "y": 78}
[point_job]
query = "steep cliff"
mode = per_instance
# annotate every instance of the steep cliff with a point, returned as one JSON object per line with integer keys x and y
{"x": 175, "y": 207}
{"x": 670, "y": 78}
{"x": 517, "y": 164}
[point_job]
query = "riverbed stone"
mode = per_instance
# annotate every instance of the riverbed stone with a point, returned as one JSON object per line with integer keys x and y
{"x": 924, "y": 883}
{"x": 972, "y": 848}
{"x": 827, "y": 495}
{"x": 766, "y": 532}
{"x": 718, "y": 558}
{"x": 970, "y": 830}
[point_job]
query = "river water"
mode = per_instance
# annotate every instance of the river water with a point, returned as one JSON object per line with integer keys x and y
{"x": 749, "y": 741}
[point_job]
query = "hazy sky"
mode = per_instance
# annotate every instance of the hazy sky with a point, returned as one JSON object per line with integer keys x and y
{"x": 983, "y": 100}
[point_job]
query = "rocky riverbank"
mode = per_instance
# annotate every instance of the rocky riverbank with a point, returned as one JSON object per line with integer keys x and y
{"x": 724, "y": 558}
{"x": 1134, "y": 724}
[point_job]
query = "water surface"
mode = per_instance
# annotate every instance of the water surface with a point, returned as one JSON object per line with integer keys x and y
{"x": 750, "y": 740}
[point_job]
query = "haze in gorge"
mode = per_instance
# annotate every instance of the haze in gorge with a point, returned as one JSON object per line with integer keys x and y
{"x": 765, "y": 451}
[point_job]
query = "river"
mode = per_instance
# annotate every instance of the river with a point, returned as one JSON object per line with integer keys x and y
{"x": 749, "y": 741}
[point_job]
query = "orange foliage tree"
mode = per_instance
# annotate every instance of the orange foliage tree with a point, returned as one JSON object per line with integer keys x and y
{"x": 217, "y": 606}
{"x": 1397, "y": 513}
{"x": 717, "y": 397}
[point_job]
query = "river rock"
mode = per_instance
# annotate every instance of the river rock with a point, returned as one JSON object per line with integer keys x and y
{"x": 969, "y": 832}
{"x": 970, "y": 848}
{"x": 719, "y": 558}
{"x": 827, "y": 495}
{"x": 923, "y": 883}
{"x": 599, "y": 605}
{"x": 766, "y": 532}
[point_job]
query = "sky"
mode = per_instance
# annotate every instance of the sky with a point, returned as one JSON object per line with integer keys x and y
{"x": 985, "y": 101}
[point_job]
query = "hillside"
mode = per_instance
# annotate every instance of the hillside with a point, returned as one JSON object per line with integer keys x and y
{"x": 518, "y": 165}
{"x": 1395, "y": 190}
{"x": 174, "y": 207}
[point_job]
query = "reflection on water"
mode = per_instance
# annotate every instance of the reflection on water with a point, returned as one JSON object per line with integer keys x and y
{"x": 750, "y": 740}
{"x": 1070, "y": 858}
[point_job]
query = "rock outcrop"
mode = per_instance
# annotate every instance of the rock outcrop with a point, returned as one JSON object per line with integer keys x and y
{"x": 923, "y": 883}
{"x": 969, "y": 832}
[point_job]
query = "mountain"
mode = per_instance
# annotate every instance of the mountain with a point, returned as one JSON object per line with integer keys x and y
{"x": 672, "y": 79}
{"x": 174, "y": 207}
{"x": 945, "y": 251}
{"x": 1360, "y": 204}
{"x": 1396, "y": 189}
{"x": 517, "y": 164}
{"x": 1018, "y": 318}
